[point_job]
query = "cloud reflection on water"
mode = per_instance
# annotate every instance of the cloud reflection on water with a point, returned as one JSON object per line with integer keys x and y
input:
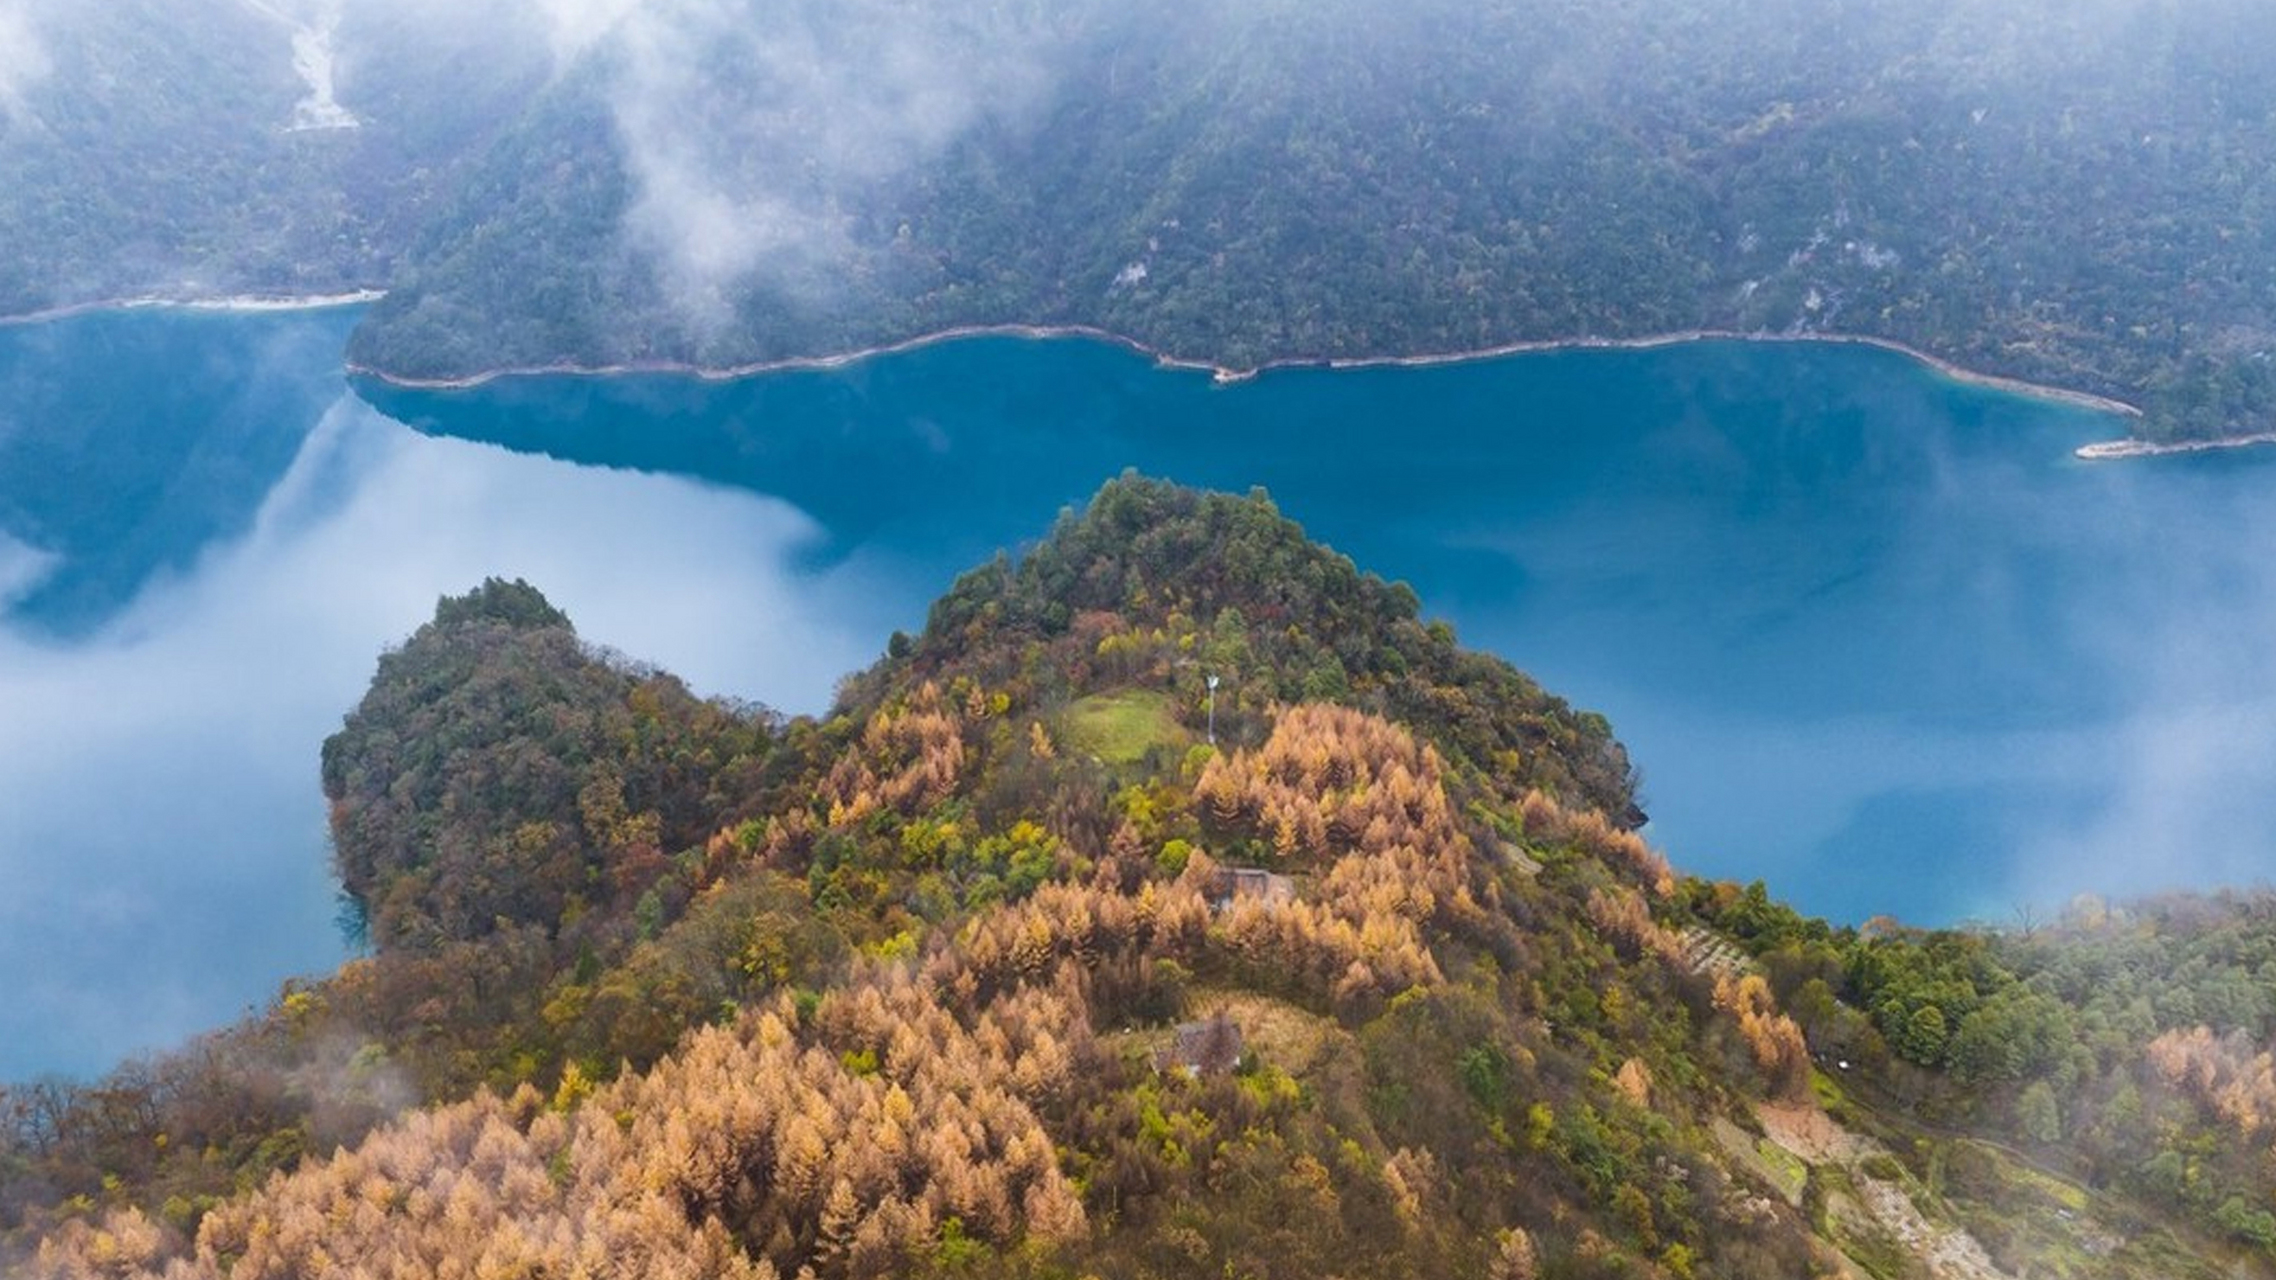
{"x": 161, "y": 828}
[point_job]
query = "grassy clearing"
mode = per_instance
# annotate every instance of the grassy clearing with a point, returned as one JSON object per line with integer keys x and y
{"x": 2056, "y": 1191}
{"x": 1293, "y": 1039}
{"x": 1120, "y": 728}
{"x": 1788, "y": 1172}
{"x": 1827, "y": 1090}
{"x": 1782, "y": 1169}
{"x": 1281, "y": 1033}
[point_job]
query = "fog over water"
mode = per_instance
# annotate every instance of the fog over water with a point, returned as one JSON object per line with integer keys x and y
{"x": 1871, "y": 635}
{"x": 163, "y": 862}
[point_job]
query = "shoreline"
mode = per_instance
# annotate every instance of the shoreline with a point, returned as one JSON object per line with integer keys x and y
{"x": 1226, "y": 375}
{"x": 2070, "y": 396}
{"x": 1223, "y": 375}
{"x": 241, "y": 303}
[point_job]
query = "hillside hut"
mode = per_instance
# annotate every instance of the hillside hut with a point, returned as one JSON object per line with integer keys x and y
{"x": 1212, "y": 1046}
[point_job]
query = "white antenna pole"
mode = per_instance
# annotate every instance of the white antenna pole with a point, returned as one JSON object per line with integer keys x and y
{"x": 1213, "y": 710}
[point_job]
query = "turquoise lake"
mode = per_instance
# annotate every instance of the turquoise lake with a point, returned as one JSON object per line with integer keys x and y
{"x": 1872, "y": 635}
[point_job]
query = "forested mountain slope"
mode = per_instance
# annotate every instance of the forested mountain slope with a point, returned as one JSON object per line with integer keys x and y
{"x": 2068, "y": 193}
{"x": 1006, "y": 968}
{"x": 178, "y": 148}
{"x": 2074, "y": 193}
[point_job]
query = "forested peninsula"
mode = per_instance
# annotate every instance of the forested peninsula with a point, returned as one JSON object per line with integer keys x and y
{"x": 1179, "y": 901}
{"x": 2067, "y": 195}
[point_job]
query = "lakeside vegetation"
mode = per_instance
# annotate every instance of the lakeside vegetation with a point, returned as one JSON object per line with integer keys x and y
{"x": 665, "y": 986}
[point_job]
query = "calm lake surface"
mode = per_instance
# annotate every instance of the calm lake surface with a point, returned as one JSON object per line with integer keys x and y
{"x": 1872, "y": 636}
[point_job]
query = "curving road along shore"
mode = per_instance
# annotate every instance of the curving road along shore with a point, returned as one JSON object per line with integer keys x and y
{"x": 2107, "y": 450}
{"x": 1228, "y": 374}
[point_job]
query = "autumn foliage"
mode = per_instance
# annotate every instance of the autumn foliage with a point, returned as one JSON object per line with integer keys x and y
{"x": 1360, "y": 801}
{"x": 1621, "y": 914}
{"x": 2225, "y": 1072}
{"x": 907, "y": 760}
{"x": 1775, "y": 1041}
{"x": 1548, "y": 821}
{"x": 686, "y": 991}
{"x": 1352, "y": 793}
{"x": 841, "y": 1143}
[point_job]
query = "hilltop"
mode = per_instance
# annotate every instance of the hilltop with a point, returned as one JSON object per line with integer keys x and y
{"x": 1035, "y": 958}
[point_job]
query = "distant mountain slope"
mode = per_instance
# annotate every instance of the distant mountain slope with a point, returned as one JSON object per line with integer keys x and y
{"x": 2070, "y": 193}
{"x": 171, "y": 148}
{"x": 2074, "y": 194}
{"x": 1006, "y": 969}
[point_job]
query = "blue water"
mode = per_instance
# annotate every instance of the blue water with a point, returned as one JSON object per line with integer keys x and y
{"x": 1872, "y": 635}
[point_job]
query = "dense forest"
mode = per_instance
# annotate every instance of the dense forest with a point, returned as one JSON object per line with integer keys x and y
{"x": 1179, "y": 901}
{"x": 158, "y": 149}
{"x": 2070, "y": 193}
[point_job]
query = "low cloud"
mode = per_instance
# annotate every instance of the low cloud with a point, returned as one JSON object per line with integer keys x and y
{"x": 577, "y": 25}
{"x": 2181, "y": 780}
{"x": 23, "y": 57}
{"x": 754, "y": 137}
{"x": 2186, "y": 805}
{"x": 22, "y": 568}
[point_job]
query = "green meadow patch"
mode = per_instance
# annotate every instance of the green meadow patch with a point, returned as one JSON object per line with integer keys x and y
{"x": 1120, "y": 728}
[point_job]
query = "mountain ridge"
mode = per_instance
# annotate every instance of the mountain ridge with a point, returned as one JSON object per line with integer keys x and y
{"x": 1034, "y": 958}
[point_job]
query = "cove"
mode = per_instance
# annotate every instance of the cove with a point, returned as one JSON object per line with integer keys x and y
{"x": 1872, "y": 635}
